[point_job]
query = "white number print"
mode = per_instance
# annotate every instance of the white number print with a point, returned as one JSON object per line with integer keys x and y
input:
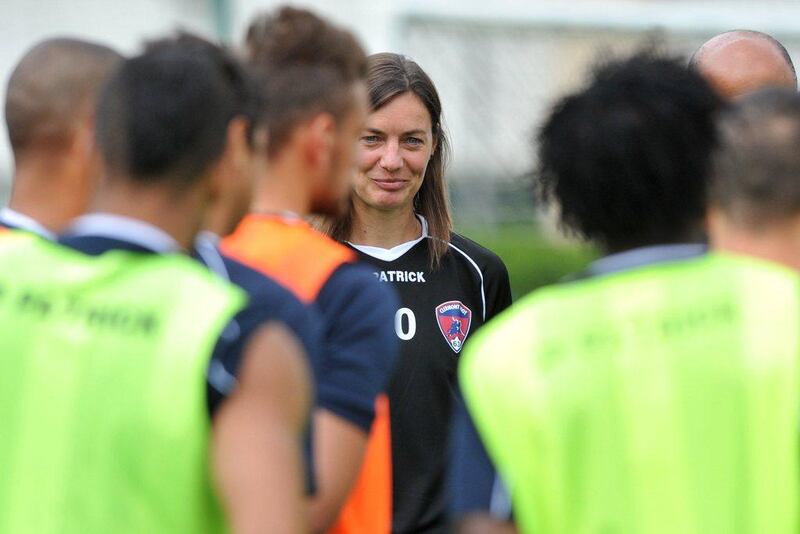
{"x": 409, "y": 332}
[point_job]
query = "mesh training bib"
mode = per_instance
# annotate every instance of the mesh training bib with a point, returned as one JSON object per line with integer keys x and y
{"x": 658, "y": 400}
{"x": 102, "y": 390}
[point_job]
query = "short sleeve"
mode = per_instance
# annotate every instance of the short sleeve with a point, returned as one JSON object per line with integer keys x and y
{"x": 498, "y": 287}
{"x": 361, "y": 348}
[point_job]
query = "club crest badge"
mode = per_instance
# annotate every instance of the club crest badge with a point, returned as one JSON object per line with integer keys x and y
{"x": 454, "y": 321}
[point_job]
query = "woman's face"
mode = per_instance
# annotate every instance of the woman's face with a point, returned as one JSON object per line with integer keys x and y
{"x": 393, "y": 153}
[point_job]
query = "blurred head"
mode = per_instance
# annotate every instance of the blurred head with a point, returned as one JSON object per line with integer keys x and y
{"x": 173, "y": 117}
{"x": 245, "y": 154}
{"x": 49, "y": 109}
{"x": 627, "y": 158}
{"x": 312, "y": 78}
{"x": 755, "y": 183}
{"x": 742, "y": 61}
{"x": 403, "y": 148}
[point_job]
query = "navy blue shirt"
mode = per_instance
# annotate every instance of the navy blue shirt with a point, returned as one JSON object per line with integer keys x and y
{"x": 361, "y": 347}
{"x": 268, "y": 301}
{"x": 345, "y": 331}
{"x": 356, "y": 312}
{"x": 473, "y": 483}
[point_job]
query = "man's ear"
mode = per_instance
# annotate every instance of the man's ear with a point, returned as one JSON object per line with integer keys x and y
{"x": 320, "y": 142}
{"x": 233, "y": 159}
{"x": 83, "y": 157}
{"x": 260, "y": 140}
{"x": 237, "y": 147}
{"x": 82, "y": 144}
{"x": 716, "y": 223}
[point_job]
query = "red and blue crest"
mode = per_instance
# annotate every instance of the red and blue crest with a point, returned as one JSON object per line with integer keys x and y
{"x": 454, "y": 321}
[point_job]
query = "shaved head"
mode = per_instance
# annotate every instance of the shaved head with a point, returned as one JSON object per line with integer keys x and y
{"x": 740, "y": 62}
{"x": 52, "y": 89}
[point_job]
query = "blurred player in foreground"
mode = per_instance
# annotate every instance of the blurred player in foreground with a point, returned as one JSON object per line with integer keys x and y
{"x": 743, "y": 61}
{"x": 108, "y": 339}
{"x": 246, "y": 157}
{"x": 659, "y": 394}
{"x": 399, "y": 221}
{"x": 755, "y": 187}
{"x": 312, "y": 81}
{"x": 50, "y": 101}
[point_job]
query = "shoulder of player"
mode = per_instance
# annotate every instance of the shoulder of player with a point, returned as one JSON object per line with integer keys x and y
{"x": 261, "y": 289}
{"x": 355, "y": 281}
{"x": 269, "y": 301}
{"x": 316, "y": 254}
{"x": 317, "y": 241}
{"x": 298, "y": 235}
{"x": 488, "y": 261}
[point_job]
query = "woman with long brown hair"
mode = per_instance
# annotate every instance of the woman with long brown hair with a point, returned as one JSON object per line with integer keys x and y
{"x": 449, "y": 286}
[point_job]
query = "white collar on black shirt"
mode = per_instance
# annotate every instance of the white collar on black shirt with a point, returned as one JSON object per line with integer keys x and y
{"x": 391, "y": 254}
{"x": 125, "y": 229}
{"x": 24, "y": 222}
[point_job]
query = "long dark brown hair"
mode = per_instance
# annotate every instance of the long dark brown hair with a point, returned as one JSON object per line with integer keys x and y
{"x": 389, "y": 76}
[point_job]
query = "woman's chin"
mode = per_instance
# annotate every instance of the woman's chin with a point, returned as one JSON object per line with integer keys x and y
{"x": 389, "y": 201}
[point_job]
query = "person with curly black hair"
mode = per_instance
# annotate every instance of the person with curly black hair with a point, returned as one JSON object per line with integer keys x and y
{"x": 626, "y": 159}
{"x": 657, "y": 393}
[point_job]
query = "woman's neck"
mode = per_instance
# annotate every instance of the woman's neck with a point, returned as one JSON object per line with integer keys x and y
{"x": 384, "y": 229}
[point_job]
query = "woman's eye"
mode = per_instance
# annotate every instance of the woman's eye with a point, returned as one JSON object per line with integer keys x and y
{"x": 416, "y": 141}
{"x": 370, "y": 139}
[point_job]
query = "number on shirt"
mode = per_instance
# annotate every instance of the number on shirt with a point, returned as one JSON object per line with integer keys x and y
{"x": 411, "y": 320}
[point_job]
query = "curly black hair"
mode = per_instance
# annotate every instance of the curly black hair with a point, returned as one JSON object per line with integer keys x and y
{"x": 627, "y": 159}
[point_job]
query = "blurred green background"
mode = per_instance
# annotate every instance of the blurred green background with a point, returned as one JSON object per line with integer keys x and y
{"x": 532, "y": 259}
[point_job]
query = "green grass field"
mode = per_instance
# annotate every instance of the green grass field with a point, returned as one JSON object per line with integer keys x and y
{"x": 532, "y": 260}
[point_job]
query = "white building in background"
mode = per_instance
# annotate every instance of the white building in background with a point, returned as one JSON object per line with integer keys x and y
{"x": 121, "y": 24}
{"x": 498, "y": 65}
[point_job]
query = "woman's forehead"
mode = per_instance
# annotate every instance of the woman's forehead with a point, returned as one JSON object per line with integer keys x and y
{"x": 402, "y": 113}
